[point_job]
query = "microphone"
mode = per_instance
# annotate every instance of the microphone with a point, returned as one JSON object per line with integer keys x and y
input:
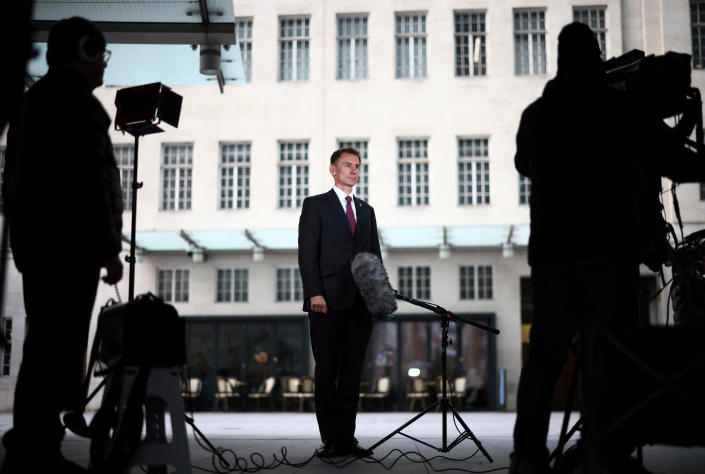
{"x": 372, "y": 281}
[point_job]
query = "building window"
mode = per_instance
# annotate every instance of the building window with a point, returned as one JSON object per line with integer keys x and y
{"x": 176, "y": 177}
{"x": 697, "y": 28}
{"x": 702, "y": 191}
{"x": 3, "y": 152}
{"x": 352, "y": 47}
{"x": 411, "y": 44}
{"x": 476, "y": 282}
{"x": 470, "y": 36}
{"x": 473, "y": 171}
{"x": 293, "y": 173}
{"x": 412, "y": 170}
{"x": 289, "y": 287}
{"x": 173, "y": 284}
{"x": 524, "y": 189}
{"x": 530, "y": 41}
{"x": 362, "y": 189}
{"x": 293, "y": 48}
{"x": 234, "y": 175}
{"x": 243, "y": 27}
{"x": 415, "y": 282}
{"x": 125, "y": 159}
{"x": 594, "y": 17}
{"x": 6, "y": 347}
{"x": 231, "y": 285}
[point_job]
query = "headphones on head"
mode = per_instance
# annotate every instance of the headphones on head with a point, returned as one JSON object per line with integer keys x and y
{"x": 90, "y": 48}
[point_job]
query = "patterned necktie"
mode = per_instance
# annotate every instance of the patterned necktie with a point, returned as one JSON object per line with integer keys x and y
{"x": 350, "y": 214}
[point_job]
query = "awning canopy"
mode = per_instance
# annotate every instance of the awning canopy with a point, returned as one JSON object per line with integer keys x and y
{"x": 150, "y": 40}
{"x": 392, "y": 238}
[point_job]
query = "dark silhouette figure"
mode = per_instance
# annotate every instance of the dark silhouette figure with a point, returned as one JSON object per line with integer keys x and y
{"x": 591, "y": 154}
{"x": 64, "y": 207}
{"x": 335, "y": 226}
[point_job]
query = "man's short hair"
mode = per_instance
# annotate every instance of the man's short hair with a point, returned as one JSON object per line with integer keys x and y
{"x": 73, "y": 39}
{"x": 348, "y": 149}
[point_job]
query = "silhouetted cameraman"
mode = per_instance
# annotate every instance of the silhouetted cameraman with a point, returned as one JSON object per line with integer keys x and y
{"x": 590, "y": 153}
{"x": 64, "y": 206}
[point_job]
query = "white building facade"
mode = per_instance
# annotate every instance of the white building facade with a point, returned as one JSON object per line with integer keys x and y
{"x": 430, "y": 91}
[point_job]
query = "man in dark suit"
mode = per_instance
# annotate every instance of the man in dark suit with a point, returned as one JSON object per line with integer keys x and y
{"x": 335, "y": 226}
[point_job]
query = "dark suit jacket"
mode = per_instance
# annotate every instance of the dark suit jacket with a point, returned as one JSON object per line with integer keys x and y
{"x": 326, "y": 247}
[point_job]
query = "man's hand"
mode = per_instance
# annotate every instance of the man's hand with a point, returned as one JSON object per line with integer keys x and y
{"x": 114, "y": 268}
{"x": 318, "y": 304}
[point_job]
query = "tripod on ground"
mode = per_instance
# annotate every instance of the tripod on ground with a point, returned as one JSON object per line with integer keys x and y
{"x": 444, "y": 402}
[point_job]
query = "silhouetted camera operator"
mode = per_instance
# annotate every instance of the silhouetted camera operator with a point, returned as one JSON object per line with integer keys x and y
{"x": 591, "y": 153}
{"x": 64, "y": 206}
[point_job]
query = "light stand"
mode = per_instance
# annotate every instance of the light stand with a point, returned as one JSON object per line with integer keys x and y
{"x": 445, "y": 404}
{"x": 140, "y": 109}
{"x": 134, "y": 186}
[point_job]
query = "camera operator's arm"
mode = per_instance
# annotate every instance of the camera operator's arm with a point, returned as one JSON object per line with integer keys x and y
{"x": 526, "y": 140}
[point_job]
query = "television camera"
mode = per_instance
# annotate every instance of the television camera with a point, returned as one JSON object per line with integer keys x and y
{"x": 661, "y": 86}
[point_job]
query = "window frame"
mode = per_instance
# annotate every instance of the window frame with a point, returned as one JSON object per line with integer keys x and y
{"x": 353, "y": 38}
{"x": 294, "y": 284}
{"x": 186, "y": 189}
{"x": 297, "y": 42}
{"x": 231, "y": 291}
{"x": 524, "y": 190}
{"x": 185, "y": 294}
{"x": 699, "y": 28}
{"x": 419, "y": 168}
{"x": 300, "y": 169}
{"x": 233, "y": 201}
{"x": 472, "y": 291}
{"x": 415, "y": 291}
{"x": 246, "y": 39}
{"x": 410, "y": 39}
{"x": 532, "y": 68}
{"x": 481, "y": 35}
{"x": 478, "y": 164}
{"x": 124, "y": 154}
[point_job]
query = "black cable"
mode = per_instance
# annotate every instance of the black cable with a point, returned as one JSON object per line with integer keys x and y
{"x": 259, "y": 463}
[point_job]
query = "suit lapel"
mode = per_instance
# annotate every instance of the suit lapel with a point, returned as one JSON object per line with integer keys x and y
{"x": 363, "y": 217}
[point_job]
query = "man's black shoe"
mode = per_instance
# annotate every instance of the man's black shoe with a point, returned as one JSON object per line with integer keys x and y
{"x": 326, "y": 450}
{"x": 354, "y": 449}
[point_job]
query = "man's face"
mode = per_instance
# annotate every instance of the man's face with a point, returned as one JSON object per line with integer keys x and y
{"x": 346, "y": 170}
{"x": 91, "y": 71}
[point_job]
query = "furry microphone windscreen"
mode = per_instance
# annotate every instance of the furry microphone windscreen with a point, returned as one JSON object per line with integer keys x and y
{"x": 372, "y": 281}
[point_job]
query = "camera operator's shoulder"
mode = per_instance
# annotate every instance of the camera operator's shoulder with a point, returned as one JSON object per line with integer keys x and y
{"x": 534, "y": 111}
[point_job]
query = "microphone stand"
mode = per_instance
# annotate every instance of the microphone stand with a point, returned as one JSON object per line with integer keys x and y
{"x": 444, "y": 402}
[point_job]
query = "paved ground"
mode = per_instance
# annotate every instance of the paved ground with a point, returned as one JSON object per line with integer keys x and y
{"x": 295, "y": 437}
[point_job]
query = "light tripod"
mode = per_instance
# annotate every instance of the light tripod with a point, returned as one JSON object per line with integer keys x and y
{"x": 445, "y": 403}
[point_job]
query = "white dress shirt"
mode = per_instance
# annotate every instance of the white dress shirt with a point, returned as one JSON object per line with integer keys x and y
{"x": 341, "y": 197}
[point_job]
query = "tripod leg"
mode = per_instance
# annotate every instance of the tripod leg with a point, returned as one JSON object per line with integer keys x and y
{"x": 469, "y": 434}
{"x": 565, "y": 435}
{"x": 430, "y": 407}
